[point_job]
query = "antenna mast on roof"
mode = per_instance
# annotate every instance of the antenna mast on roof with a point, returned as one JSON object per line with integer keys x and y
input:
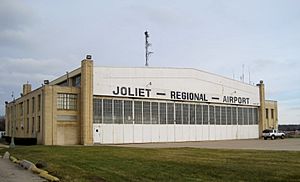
{"x": 147, "y": 45}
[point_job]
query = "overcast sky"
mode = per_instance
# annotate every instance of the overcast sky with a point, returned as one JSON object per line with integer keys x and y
{"x": 43, "y": 39}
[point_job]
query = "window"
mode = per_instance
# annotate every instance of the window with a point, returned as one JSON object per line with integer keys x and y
{"x": 250, "y": 114}
{"x": 146, "y": 113}
{"x": 138, "y": 112}
{"x": 272, "y": 113}
{"x": 255, "y": 116}
{"x": 162, "y": 113}
{"x": 107, "y": 111}
{"x": 192, "y": 114}
{"x": 118, "y": 111}
{"x": 212, "y": 115}
{"x": 267, "y": 113}
{"x": 218, "y": 115}
{"x": 223, "y": 115}
{"x": 246, "y": 114}
{"x": 178, "y": 113}
{"x": 154, "y": 113}
{"x": 27, "y": 128}
{"x": 67, "y": 101}
{"x": 185, "y": 114}
{"x": 205, "y": 114}
{"x": 234, "y": 116}
{"x": 240, "y": 116}
{"x": 76, "y": 81}
{"x": 199, "y": 114}
{"x": 33, "y": 104}
{"x": 32, "y": 127}
{"x": 39, "y": 123}
{"x": 39, "y": 102}
{"x": 27, "y": 108}
{"x": 128, "y": 119}
{"x": 229, "y": 116}
{"x": 21, "y": 108}
{"x": 170, "y": 113}
{"x": 97, "y": 110}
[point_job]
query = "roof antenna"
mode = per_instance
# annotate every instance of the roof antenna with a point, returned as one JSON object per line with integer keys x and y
{"x": 147, "y": 45}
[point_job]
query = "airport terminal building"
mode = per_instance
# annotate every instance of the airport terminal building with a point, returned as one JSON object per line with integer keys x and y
{"x": 109, "y": 105}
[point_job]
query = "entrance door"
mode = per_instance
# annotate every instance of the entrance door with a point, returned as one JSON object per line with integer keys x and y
{"x": 97, "y": 134}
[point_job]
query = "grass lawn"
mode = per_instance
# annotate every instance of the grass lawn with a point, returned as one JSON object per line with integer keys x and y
{"x": 103, "y": 163}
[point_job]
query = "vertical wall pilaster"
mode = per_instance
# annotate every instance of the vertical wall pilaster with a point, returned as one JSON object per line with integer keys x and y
{"x": 87, "y": 102}
{"x": 262, "y": 115}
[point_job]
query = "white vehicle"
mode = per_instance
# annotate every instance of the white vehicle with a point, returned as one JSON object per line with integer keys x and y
{"x": 272, "y": 133}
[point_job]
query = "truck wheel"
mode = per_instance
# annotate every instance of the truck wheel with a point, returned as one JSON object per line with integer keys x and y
{"x": 272, "y": 137}
{"x": 265, "y": 138}
{"x": 282, "y": 137}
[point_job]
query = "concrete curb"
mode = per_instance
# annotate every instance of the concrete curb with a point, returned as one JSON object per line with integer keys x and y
{"x": 30, "y": 166}
{"x": 42, "y": 173}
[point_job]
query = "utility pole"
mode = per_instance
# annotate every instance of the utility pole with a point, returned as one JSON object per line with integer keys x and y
{"x": 147, "y": 45}
{"x": 14, "y": 113}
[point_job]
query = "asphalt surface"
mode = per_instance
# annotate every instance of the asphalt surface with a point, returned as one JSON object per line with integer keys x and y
{"x": 11, "y": 172}
{"x": 291, "y": 144}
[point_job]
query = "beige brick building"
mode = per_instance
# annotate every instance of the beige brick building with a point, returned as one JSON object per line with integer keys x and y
{"x": 136, "y": 105}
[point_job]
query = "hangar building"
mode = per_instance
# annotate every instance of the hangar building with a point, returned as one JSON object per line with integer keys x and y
{"x": 110, "y": 105}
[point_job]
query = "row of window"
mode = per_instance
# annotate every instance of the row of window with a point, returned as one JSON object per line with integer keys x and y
{"x": 20, "y": 125}
{"x": 33, "y": 105}
{"x": 272, "y": 113}
{"x": 117, "y": 111}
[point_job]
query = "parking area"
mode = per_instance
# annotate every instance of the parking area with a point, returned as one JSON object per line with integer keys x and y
{"x": 255, "y": 144}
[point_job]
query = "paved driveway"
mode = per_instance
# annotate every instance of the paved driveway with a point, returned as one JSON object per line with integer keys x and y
{"x": 278, "y": 144}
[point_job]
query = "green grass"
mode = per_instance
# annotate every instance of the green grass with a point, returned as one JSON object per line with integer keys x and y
{"x": 101, "y": 163}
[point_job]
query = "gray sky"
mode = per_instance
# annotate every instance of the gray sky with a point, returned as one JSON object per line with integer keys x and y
{"x": 43, "y": 39}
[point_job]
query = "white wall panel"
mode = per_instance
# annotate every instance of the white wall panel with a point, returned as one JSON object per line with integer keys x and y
{"x": 199, "y": 132}
{"x": 155, "y": 133}
{"x": 186, "y": 132}
{"x": 128, "y": 133}
{"x": 108, "y": 133}
{"x": 178, "y": 133}
{"x": 218, "y": 132}
{"x": 147, "y": 133}
{"x": 138, "y": 133}
{"x": 235, "y": 131}
{"x": 212, "y": 132}
{"x": 171, "y": 133}
{"x": 205, "y": 132}
{"x": 118, "y": 133}
{"x": 192, "y": 130}
{"x": 163, "y": 133}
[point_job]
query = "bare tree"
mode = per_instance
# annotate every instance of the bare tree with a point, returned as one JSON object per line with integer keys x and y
{"x": 2, "y": 123}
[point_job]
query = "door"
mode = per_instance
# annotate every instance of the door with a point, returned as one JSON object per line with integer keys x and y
{"x": 97, "y": 134}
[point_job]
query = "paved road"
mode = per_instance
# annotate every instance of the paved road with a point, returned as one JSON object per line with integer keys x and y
{"x": 278, "y": 144}
{"x": 10, "y": 172}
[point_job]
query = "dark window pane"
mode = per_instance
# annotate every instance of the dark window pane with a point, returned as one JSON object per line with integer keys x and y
{"x": 199, "y": 114}
{"x": 118, "y": 112}
{"x": 178, "y": 111}
{"x": 162, "y": 113}
{"x": 128, "y": 119}
{"x": 170, "y": 113}
{"x": 138, "y": 112}
{"x": 212, "y": 115}
{"x": 146, "y": 113}
{"x": 185, "y": 114}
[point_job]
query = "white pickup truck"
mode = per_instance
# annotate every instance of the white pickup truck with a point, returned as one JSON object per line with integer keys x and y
{"x": 272, "y": 133}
